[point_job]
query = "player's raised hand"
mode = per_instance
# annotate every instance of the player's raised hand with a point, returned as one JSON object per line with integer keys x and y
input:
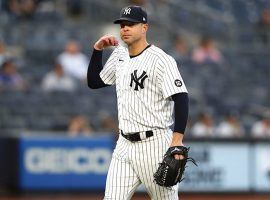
{"x": 106, "y": 41}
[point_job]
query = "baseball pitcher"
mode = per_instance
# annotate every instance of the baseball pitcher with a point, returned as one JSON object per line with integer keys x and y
{"x": 149, "y": 89}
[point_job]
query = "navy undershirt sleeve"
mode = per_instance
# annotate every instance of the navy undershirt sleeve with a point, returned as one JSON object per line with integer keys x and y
{"x": 94, "y": 68}
{"x": 180, "y": 111}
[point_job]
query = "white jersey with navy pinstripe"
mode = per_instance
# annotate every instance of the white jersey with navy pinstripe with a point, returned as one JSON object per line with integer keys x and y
{"x": 144, "y": 84}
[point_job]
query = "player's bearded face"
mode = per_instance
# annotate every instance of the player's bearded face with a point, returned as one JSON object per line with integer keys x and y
{"x": 131, "y": 32}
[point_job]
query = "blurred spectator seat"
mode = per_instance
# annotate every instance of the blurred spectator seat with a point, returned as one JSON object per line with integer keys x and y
{"x": 230, "y": 127}
{"x": 204, "y": 127}
{"x": 3, "y": 52}
{"x": 79, "y": 125}
{"x": 206, "y": 52}
{"x": 74, "y": 62}
{"x": 10, "y": 79}
{"x": 263, "y": 26}
{"x": 261, "y": 128}
{"x": 58, "y": 80}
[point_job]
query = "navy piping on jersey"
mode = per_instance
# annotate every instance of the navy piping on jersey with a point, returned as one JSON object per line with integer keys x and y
{"x": 149, "y": 45}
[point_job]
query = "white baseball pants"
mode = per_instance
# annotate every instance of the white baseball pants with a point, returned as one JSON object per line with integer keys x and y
{"x": 134, "y": 163}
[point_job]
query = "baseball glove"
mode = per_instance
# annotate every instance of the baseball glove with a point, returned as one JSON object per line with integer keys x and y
{"x": 170, "y": 170}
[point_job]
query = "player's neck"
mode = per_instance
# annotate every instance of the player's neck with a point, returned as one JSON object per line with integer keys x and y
{"x": 137, "y": 47}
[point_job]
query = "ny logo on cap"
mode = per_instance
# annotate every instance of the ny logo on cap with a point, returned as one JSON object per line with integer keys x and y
{"x": 127, "y": 11}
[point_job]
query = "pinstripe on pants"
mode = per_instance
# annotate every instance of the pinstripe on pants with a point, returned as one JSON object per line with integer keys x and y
{"x": 134, "y": 163}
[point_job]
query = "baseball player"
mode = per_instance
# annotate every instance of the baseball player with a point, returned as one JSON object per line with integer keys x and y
{"x": 149, "y": 88}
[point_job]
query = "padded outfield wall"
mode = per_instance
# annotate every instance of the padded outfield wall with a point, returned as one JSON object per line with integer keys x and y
{"x": 61, "y": 163}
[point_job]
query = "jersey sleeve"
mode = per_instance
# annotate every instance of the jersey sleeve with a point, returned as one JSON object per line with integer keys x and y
{"x": 171, "y": 80}
{"x": 108, "y": 72}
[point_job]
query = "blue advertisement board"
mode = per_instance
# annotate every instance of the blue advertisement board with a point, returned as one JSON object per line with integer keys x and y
{"x": 221, "y": 167}
{"x": 56, "y": 163}
{"x": 262, "y": 167}
{"x": 61, "y": 163}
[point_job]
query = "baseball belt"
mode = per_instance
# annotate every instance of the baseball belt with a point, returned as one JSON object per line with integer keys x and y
{"x": 135, "y": 137}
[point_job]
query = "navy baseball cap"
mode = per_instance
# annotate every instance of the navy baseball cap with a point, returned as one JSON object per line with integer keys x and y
{"x": 132, "y": 14}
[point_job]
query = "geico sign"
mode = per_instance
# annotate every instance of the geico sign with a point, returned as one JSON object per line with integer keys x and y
{"x": 63, "y": 160}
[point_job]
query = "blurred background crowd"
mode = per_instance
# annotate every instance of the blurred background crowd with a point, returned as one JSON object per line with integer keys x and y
{"x": 222, "y": 49}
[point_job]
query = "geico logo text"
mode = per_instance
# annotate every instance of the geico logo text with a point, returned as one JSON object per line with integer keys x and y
{"x": 66, "y": 160}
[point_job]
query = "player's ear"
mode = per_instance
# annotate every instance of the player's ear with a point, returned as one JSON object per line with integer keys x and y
{"x": 145, "y": 28}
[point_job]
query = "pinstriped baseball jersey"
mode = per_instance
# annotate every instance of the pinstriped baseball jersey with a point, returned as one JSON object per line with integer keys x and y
{"x": 144, "y": 84}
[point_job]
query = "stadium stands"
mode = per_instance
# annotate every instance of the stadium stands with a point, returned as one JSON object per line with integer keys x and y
{"x": 241, "y": 84}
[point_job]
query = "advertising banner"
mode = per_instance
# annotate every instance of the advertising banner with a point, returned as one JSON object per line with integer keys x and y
{"x": 262, "y": 167}
{"x": 63, "y": 162}
{"x": 221, "y": 167}
{"x": 81, "y": 163}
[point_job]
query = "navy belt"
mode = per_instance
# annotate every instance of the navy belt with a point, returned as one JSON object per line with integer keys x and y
{"x": 135, "y": 137}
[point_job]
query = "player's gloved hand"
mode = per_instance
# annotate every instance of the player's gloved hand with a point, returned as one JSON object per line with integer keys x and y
{"x": 105, "y": 41}
{"x": 171, "y": 170}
